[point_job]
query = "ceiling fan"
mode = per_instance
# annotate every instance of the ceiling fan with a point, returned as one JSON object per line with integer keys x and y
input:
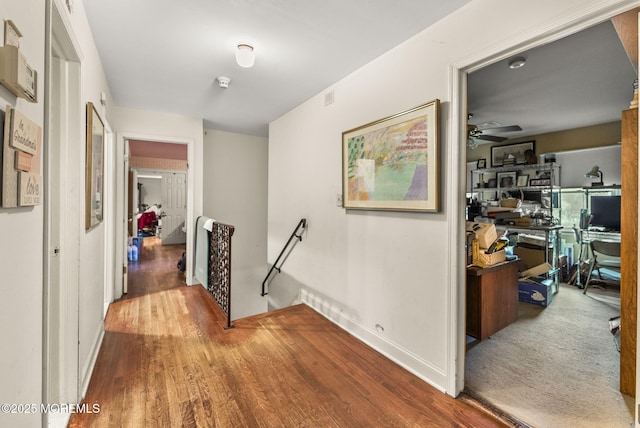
{"x": 482, "y": 132}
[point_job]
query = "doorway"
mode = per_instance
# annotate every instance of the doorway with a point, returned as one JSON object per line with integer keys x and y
{"x": 464, "y": 113}
{"x": 157, "y": 195}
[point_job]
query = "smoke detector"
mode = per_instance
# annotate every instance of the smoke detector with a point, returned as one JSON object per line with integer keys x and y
{"x": 223, "y": 82}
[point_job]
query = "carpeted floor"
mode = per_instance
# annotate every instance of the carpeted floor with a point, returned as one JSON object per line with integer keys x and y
{"x": 557, "y": 366}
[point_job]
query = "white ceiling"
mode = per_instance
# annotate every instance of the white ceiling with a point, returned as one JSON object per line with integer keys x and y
{"x": 164, "y": 55}
{"x": 581, "y": 80}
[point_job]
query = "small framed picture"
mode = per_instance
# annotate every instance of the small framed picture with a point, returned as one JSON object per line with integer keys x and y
{"x": 506, "y": 179}
{"x": 523, "y": 180}
{"x": 492, "y": 183}
{"x": 482, "y": 163}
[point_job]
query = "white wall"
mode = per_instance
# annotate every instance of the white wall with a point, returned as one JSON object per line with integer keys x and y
{"x": 23, "y": 248}
{"x": 170, "y": 128}
{"x": 21, "y": 229}
{"x": 576, "y": 163}
{"x": 92, "y": 241}
{"x": 386, "y": 277}
{"x": 235, "y": 193}
{"x": 151, "y": 191}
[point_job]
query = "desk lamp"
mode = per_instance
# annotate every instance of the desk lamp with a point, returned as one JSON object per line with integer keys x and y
{"x": 596, "y": 173}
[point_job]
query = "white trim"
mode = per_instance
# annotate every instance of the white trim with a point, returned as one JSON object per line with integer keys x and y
{"x": 110, "y": 267}
{"x": 456, "y": 313}
{"x": 91, "y": 362}
{"x": 190, "y": 218}
{"x": 71, "y": 46}
{"x": 60, "y": 380}
{"x": 550, "y": 31}
{"x": 421, "y": 368}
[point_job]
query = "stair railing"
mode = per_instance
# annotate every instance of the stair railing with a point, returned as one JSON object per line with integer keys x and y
{"x": 302, "y": 224}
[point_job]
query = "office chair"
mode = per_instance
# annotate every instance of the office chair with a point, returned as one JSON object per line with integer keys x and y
{"x": 599, "y": 249}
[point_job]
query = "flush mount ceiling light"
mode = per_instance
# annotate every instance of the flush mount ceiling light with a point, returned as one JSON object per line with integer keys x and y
{"x": 245, "y": 56}
{"x": 517, "y": 62}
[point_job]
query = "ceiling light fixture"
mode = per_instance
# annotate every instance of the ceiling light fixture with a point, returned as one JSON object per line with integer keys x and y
{"x": 245, "y": 56}
{"x": 517, "y": 62}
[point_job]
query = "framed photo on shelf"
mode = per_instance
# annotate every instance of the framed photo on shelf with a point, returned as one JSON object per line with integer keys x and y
{"x": 392, "y": 164}
{"x": 492, "y": 183}
{"x": 540, "y": 182}
{"x": 482, "y": 163}
{"x": 507, "y": 179}
{"x": 511, "y": 152}
{"x": 523, "y": 180}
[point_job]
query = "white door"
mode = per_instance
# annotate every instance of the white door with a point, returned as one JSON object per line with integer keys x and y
{"x": 174, "y": 208}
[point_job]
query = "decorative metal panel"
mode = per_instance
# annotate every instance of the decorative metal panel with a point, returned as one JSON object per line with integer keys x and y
{"x": 220, "y": 267}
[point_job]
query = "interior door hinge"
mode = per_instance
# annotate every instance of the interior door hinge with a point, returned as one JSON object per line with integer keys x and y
{"x": 124, "y": 270}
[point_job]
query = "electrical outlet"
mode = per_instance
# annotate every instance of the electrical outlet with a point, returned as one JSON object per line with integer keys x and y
{"x": 339, "y": 200}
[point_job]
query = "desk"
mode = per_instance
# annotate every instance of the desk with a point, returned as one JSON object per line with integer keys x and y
{"x": 492, "y": 298}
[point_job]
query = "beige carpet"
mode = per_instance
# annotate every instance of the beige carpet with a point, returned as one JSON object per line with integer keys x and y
{"x": 556, "y": 366}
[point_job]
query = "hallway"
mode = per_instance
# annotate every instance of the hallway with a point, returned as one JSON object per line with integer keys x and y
{"x": 167, "y": 361}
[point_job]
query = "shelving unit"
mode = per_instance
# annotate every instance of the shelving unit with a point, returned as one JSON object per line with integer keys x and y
{"x": 550, "y": 249}
{"x": 549, "y": 191}
{"x": 546, "y": 209}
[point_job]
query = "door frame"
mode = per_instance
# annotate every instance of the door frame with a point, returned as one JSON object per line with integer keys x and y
{"x": 122, "y": 165}
{"x": 63, "y": 134}
{"x": 456, "y": 159}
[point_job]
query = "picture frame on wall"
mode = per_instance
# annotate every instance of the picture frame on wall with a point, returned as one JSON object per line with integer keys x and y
{"x": 482, "y": 163}
{"x": 510, "y": 154}
{"x": 94, "y": 168}
{"x": 393, "y": 163}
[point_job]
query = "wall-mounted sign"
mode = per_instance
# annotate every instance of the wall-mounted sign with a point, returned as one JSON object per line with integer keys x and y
{"x": 24, "y": 133}
{"x": 23, "y": 161}
{"x": 30, "y": 190}
{"x": 21, "y": 146}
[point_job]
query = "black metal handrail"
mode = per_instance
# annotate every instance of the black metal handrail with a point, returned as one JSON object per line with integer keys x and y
{"x": 301, "y": 224}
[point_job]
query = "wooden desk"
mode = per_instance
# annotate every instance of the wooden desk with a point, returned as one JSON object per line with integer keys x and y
{"x": 492, "y": 298}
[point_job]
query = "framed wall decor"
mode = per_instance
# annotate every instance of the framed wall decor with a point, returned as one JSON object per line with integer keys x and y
{"x": 482, "y": 163}
{"x": 393, "y": 163}
{"x": 94, "y": 168}
{"x": 506, "y": 179}
{"x": 509, "y": 151}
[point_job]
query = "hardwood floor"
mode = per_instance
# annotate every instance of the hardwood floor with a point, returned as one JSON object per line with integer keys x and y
{"x": 167, "y": 361}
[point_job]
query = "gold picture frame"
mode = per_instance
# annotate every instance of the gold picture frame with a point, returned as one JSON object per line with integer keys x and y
{"x": 394, "y": 163}
{"x": 94, "y": 177}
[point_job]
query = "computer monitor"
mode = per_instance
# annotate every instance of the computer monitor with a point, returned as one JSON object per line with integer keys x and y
{"x": 606, "y": 212}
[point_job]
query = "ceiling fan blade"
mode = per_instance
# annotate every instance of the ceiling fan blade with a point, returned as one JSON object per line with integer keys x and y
{"x": 491, "y": 138}
{"x": 511, "y": 128}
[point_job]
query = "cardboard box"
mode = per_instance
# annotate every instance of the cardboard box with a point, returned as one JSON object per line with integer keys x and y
{"x": 536, "y": 293}
{"x": 529, "y": 257}
{"x": 483, "y": 259}
{"x": 485, "y": 233}
{"x": 538, "y": 270}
